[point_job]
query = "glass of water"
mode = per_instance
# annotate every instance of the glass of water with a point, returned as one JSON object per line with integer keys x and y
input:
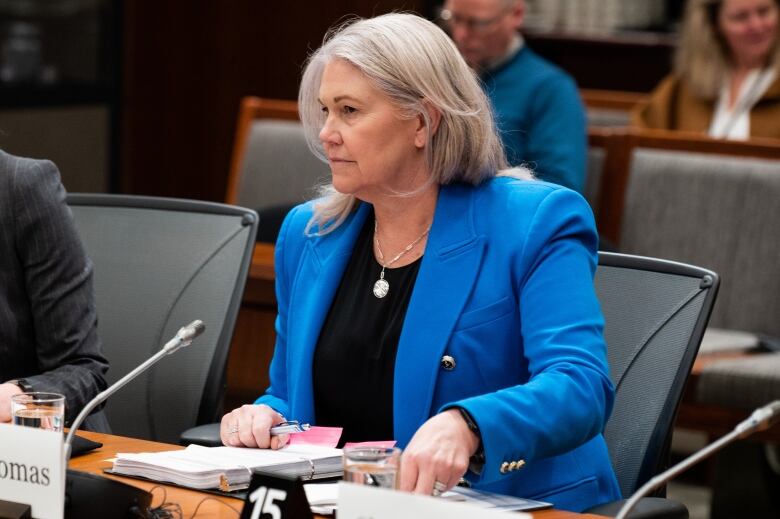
{"x": 40, "y": 410}
{"x": 376, "y": 466}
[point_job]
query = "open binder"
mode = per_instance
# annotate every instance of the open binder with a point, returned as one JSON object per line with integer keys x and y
{"x": 229, "y": 468}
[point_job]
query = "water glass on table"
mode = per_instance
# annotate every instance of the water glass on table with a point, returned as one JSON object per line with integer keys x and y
{"x": 376, "y": 466}
{"x": 39, "y": 410}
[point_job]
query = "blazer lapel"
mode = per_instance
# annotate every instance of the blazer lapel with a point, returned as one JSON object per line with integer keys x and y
{"x": 448, "y": 271}
{"x": 315, "y": 287}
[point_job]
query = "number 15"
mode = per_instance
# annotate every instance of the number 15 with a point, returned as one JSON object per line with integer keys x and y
{"x": 266, "y": 497}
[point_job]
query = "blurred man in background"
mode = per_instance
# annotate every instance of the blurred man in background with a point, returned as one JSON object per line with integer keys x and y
{"x": 537, "y": 105}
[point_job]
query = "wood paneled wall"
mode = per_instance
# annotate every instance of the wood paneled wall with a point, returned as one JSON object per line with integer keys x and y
{"x": 186, "y": 65}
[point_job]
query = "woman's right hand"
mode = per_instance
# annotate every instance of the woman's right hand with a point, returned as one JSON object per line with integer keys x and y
{"x": 249, "y": 426}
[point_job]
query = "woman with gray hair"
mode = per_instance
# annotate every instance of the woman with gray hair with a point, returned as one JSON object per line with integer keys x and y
{"x": 430, "y": 295}
{"x": 725, "y": 81}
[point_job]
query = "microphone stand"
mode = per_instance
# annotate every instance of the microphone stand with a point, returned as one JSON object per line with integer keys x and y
{"x": 183, "y": 338}
{"x": 761, "y": 419}
{"x": 88, "y": 495}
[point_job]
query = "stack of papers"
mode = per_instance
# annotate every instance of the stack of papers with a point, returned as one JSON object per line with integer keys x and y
{"x": 485, "y": 499}
{"x": 323, "y": 499}
{"x": 229, "y": 468}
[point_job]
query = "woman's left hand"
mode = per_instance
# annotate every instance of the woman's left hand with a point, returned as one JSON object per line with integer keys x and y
{"x": 439, "y": 451}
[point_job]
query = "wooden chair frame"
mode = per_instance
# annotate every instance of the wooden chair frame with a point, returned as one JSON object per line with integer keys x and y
{"x": 253, "y": 108}
{"x": 617, "y": 100}
{"x": 620, "y": 145}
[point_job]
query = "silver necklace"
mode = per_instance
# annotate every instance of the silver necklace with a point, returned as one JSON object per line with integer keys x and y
{"x": 381, "y": 286}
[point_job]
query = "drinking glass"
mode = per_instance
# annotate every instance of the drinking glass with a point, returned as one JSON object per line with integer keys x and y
{"x": 40, "y": 410}
{"x": 376, "y": 466}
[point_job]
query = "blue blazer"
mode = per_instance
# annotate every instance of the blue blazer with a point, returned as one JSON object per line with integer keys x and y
{"x": 505, "y": 288}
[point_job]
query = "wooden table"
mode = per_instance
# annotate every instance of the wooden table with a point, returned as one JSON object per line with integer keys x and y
{"x": 215, "y": 507}
{"x": 97, "y": 460}
{"x": 262, "y": 267}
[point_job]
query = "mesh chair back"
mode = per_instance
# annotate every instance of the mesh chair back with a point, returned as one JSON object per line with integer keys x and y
{"x": 160, "y": 264}
{"x": 655, "y": 314}
{"x": 277, "y": 167}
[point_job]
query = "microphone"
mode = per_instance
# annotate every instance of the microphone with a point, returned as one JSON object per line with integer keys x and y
{"x": 184, "y": 336}
{"x": 182, "y": 339}
{"x": 88, "y": 496}
{"x": 759, "y": 420}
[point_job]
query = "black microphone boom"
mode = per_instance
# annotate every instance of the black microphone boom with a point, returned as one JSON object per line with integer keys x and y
{"x": 761, "y": 419}
{"x": 89, "y": 496}
{"x": 183, "y": 338}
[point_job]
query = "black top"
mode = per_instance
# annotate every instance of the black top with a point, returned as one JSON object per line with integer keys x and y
{"x": 355, "y": 356}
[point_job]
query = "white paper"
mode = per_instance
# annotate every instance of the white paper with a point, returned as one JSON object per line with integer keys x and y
{"x": 361, "y": 501}
{"x": 322, "y": 493}
{"x": 322, "y": 497}
{"x": 32, "y": 470}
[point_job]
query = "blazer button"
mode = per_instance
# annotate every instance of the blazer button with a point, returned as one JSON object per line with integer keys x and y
{"x": 512, "y": 466}
{"x": 448, "y": 362}
{"x": 504, "y": 468}
{"x": 520, "y": 464}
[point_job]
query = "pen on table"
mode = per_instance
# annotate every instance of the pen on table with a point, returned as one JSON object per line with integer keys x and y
{"x": 288, "y": 427}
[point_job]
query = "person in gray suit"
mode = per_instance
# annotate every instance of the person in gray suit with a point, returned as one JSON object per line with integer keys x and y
{"x": 48, "y": 321}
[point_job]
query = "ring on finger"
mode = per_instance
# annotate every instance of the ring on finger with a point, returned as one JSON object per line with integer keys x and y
{"x": 233, "y": 430}
{"x": 438, "y": 488}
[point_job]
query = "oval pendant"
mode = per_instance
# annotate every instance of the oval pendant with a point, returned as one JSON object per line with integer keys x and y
{"x": 381, "y": 288}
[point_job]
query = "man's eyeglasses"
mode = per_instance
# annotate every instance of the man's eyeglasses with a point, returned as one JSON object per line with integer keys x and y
{"x": 471, "y": 23}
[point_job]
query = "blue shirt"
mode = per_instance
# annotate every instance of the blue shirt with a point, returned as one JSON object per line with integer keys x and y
{"x": 540, "y": 118}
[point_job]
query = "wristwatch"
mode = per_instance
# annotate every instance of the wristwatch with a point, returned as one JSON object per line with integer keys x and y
{"x": 477, "y": 460}
{"x": 21, "y": 384}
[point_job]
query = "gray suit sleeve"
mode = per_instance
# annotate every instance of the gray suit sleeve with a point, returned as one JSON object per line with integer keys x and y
{"x": 58, "y": 282}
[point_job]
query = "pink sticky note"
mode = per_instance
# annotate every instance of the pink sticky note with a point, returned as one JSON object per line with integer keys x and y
{"x": 381, "y": 444}
{"x": 323, "y": 436}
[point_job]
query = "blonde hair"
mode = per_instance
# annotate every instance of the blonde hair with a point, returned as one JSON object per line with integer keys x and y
{"x": 702, "y": 58}
{"x": 417, "y": 66}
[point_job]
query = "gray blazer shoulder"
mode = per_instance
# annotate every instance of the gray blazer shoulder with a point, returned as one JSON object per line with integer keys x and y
{"x": 48, "y": 320}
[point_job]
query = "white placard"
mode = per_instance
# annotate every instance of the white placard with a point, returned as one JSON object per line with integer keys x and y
{"x": 31, "y": 469}
{"x": 367, "y": 502}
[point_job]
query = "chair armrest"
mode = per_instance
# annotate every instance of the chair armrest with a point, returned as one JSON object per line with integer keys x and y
{"x": 206, "y": 435}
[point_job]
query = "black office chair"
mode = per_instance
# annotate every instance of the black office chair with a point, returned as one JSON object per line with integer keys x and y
{"x": 160, "y": 264}
{"x": 655, "y": 314}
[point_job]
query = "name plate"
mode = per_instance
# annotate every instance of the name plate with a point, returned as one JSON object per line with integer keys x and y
{"x": 367, "y": 502}
{"x": 31, "y": 469}
{"x": 272, "y": 496}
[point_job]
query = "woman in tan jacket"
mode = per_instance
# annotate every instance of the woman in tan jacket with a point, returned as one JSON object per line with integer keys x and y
{"x": 726, "y": 81}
